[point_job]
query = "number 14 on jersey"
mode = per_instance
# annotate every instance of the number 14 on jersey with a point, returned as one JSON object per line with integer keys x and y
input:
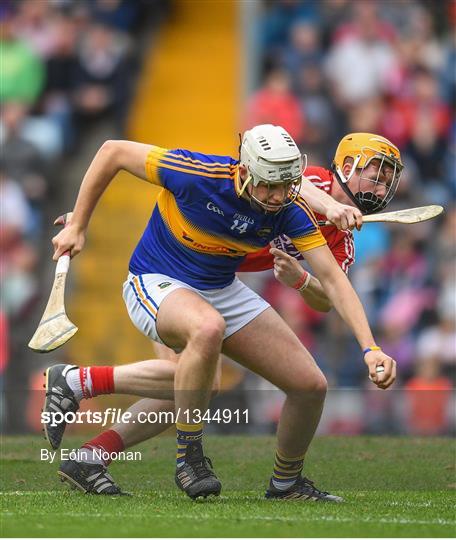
{"x": 242, "y": 228}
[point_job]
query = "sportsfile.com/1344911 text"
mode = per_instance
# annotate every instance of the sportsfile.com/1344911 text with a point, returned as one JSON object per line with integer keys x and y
{"x": 114, "y": 415}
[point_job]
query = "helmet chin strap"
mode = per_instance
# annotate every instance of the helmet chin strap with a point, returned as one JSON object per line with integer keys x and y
{"x": 343, "y": 184}
{"x": 367, "y": 201}
{"x": 244, "y": 186}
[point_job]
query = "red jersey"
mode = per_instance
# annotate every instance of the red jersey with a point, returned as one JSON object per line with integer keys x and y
{"x": 340, "y": 243}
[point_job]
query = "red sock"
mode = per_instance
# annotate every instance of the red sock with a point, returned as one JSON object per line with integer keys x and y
{"x": 96, "y": 380}
{"x": 109, "y": 441}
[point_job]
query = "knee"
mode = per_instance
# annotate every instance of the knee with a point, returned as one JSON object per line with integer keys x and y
{"x": 209, "y": 332}
{"x": 319, "y": 385}
{"x": 212, "y": 329}
{"x": 311, "y": 385}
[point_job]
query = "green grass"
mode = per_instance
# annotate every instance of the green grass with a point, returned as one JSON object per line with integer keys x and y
{"x": 393, "y": 487}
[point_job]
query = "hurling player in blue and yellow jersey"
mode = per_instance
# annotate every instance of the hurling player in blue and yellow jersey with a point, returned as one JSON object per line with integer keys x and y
{"x": 182, "y": 290}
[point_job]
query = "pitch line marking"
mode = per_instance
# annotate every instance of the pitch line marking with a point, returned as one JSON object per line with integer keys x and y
{"x": 438, "y": 521}
{"x": 427, "y": 504}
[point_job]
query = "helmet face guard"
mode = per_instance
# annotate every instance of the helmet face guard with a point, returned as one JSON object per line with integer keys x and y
{"x": 273, "y": 159}
{"x": 290, "y": 189}
{"x": 370, "y": 194}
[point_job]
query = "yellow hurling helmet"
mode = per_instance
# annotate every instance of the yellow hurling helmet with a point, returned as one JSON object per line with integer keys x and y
{"x": 363, "y": 148}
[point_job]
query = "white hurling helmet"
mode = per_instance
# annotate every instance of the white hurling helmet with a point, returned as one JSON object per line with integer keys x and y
{"x": 272, "y": 157}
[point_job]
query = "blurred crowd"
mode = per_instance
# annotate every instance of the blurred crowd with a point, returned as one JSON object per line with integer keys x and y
{"x": 328, "y": 67}
{"x": 331, "y": 67}
{"x": 65, "y": 66}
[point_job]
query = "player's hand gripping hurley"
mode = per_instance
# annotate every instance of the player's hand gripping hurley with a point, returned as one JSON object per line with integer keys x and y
{"x": 55, "y": 328}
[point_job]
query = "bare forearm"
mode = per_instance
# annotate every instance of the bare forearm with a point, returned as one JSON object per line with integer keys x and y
{"x": 349, "y": 307}
{"x": 111, "y": 158}
{"x": 315, "y": 296}
{"x": 289, "y": 272}
{"x": 341, "y": 215}
{"x": 97, "y": 178}
{"x": 317, "y": 199}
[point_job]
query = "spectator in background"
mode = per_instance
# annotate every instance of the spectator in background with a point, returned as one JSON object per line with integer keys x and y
{"x": 323, "y": 120}
{"x": 61, "y": 68}
{"x": 277, "y": 21}
{"x": 428, "y": 396}
{"x": 22, "y": 69}
{"x": 365, "y": 115}
{"x": 103, "y": 77}
{"x": 423, "y": 104}
{"x": 23, "y": 161}
{"x": 303, "y": 49}
{"x": 118, "y": 14}
{"x": 275, "y": 103}
{"x": 361, "y": 63}
{"x": 23, "y": 79}
{"x": 369, "y": 15}
{"x": 333, "y": 14}
{"x": 18, "y": 259}
{"x": 15, "y": 214}
{"x": 448, "y": 72}
{"x": 428, "y": 150}
{"x": 404, "y": 265}
{"x": 443, "y": 249}
{"x": 449, "y": 166}
{"x": 34, "y": 26}
{"x": 19, "y": 283}
{"x": 396, "y": 338}
{"x": 416, "y": 45}
{"x": 427, "y": 50}
{"x": 439, "y": 342}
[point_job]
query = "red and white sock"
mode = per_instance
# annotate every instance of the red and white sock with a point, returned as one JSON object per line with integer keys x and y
{"x": 100, "y": 449}
{"x": 88, "y": 382}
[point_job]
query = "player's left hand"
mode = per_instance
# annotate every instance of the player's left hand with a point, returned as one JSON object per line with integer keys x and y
{"x": 344, "y": 216}
{"x": 287, "y": 269}
{"x": 378, "y": 359}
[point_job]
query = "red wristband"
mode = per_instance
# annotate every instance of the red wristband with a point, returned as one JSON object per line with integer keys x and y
{"x": 302, "y": 282}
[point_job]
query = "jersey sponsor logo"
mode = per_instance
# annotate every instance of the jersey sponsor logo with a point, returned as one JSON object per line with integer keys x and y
{"x": 164, "y": 285}
{"x": 264, "y": 231}
{"x": 211, "y": 206}
{"x": 209, "y": 249}
{"x": 246, "y": 219}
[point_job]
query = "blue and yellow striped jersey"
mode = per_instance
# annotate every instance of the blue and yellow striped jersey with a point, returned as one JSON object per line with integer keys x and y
{"x": 200, "y": 230}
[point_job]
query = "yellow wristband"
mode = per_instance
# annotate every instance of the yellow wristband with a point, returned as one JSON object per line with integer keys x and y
{"x": 373, "y": 348}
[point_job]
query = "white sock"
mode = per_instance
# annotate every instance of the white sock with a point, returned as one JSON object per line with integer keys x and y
{"x": 74, "y": 381}
{"x": 283, "y": 486}
{"x": 87, "y": 455}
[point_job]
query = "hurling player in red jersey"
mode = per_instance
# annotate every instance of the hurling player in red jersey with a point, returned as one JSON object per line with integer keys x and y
{"x": 354, "y": 179}
{"x": 364, "y": 176}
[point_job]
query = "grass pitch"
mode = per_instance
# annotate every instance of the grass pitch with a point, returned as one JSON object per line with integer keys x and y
{"x": 392, "y": 486}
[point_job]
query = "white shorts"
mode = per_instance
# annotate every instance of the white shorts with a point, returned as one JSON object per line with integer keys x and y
{"x": 143, "y": 294}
